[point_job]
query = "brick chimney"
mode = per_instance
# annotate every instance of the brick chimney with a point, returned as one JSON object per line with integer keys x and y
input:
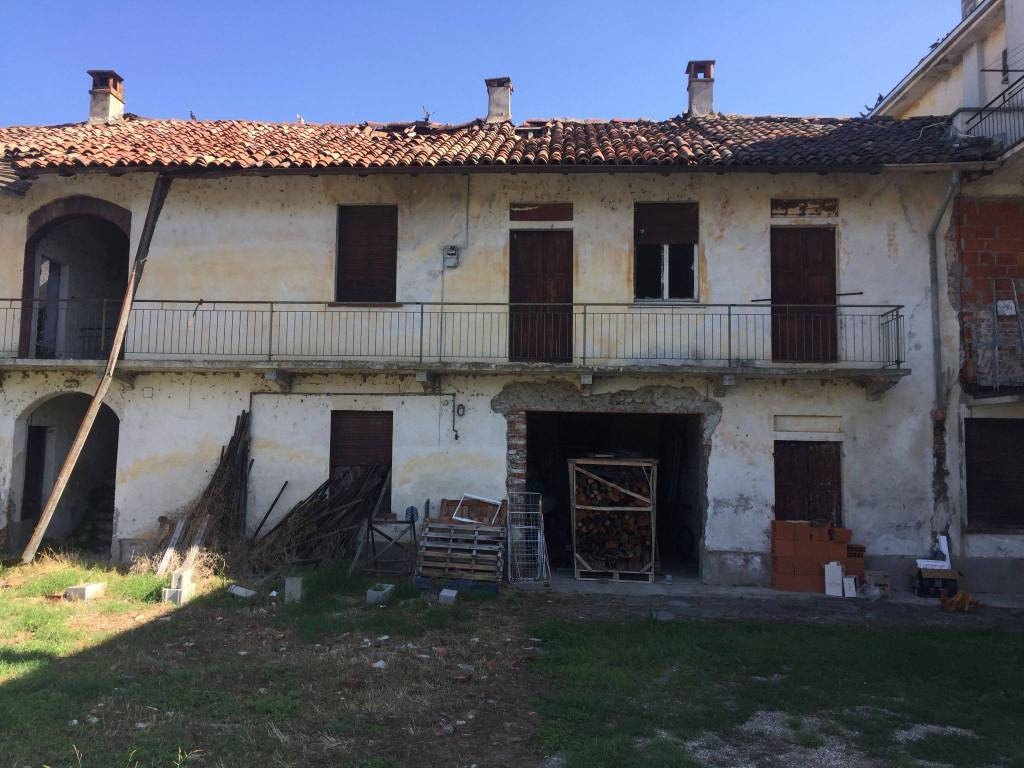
{"x": 700, "y": 87}
{"x": 106, "y": 97}
{"x": 499, "y": 99}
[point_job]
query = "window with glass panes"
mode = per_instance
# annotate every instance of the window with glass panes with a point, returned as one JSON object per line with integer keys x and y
{"x": 665, "y": 251}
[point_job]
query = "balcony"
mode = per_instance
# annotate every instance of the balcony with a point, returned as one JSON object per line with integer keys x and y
{"x": 760, "y": 339}
{"x": 1002, "y": 119}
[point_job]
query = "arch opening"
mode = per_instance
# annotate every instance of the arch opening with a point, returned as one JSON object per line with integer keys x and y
{"x": 85, "y": 516}
{"x": 76, "y": 272}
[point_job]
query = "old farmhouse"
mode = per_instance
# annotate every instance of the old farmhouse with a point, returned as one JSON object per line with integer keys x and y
{"x": 799, "y": 318}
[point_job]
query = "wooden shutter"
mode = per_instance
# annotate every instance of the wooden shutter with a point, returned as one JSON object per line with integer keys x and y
{"x": 808, "y": 481}
{"x": 367, "y": 264}
{"x": 995, "y": 473}
{"x": 665, "y": 223}
{"x": 360, "y": 438}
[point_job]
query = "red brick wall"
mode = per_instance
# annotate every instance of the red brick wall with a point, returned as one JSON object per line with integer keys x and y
{"x": 516, "y": 452}
{"x": 988, "y": 236}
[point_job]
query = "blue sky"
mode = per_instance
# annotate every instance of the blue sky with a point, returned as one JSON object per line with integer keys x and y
{"x": 338, "y": 61}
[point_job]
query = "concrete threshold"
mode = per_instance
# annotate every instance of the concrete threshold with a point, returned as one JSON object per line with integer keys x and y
{"x": 692, "y": 587}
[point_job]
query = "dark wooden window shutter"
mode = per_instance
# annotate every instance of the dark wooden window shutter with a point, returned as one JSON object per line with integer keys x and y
{"x": 367, "y": 265}
{"x": 665, "y": 223}
{"x": 360, "y": 438}
{"x": 995, "y": 473}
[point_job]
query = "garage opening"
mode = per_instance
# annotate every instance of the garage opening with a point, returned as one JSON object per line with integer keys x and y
{"x": 85, "y": 516}
{"x": 674, "y": 440}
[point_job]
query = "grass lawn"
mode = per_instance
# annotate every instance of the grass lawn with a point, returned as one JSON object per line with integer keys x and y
{"x": 684, "y": 693}
{"x": 124, "y": 681}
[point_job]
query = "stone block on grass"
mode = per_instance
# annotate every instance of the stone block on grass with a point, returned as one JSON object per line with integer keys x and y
{"x": 379, "y": 594}
{"x": 293, "y": 589}
{"x": 182, "y": 579}
{"x": 85, "y": 591}
{"x": 178, "y": 596}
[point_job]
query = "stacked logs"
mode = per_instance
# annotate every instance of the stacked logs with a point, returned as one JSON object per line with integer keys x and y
{"x": 620, "y": 538}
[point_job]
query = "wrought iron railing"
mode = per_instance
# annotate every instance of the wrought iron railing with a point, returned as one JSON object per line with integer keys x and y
{"x": 1002, "y": 118}
{"x": 435, "y": 333}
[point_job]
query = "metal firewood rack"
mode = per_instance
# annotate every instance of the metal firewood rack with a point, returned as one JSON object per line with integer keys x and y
{"x": 591, "y": 469}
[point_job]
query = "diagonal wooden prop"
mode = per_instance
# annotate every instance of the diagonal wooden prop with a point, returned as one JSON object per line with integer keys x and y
{"x": 156, "y": 204}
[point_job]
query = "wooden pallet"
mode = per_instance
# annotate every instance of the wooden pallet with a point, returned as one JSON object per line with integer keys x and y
{"x": 467, "y": 551}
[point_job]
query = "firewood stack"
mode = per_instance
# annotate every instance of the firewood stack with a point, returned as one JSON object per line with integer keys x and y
{"x": 613, "y": 517}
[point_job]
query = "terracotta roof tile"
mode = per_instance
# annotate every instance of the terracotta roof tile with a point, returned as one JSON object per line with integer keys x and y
{"x": 716, "y": 141}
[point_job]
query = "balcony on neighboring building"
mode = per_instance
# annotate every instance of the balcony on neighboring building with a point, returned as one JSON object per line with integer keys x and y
{"x": 763, "y": 339}
{"x": 1001, "y": 119}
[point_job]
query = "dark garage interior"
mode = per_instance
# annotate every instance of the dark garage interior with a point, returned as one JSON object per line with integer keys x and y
{"x": 552, "y": 438}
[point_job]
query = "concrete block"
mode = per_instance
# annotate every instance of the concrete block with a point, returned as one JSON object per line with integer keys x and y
{"x": 85, "y": 591}
{"x": 293, "y": 589}
{"x": 448, "y": 596}
{"x": 242, "y": 592}
{"x": 178, "y": 596}
{"x": 181, "y": 579}
{"x": 379, "y": 594}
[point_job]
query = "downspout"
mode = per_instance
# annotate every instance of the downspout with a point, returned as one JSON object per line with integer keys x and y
{"x": 940, "y": 486}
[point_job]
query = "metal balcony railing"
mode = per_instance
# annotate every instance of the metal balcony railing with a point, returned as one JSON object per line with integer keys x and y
{"x": 594, "y": 334}
{"x": 1002, "y": 118}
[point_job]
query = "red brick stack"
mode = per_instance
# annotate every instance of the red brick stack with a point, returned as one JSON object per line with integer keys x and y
{"x": 800, "y": 551}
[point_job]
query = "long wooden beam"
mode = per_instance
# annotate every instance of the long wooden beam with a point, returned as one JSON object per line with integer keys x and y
{"x": 156, "y": 204}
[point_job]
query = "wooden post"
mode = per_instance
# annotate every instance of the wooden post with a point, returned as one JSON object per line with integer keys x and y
{"x": 156, "y": 202}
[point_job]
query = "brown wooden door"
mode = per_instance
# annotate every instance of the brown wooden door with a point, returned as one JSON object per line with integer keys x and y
{"x": 995, "y": 473}
{"x": 35, "y": 461}
{"x": 808, "y": 481}
{"x": 360, "y": 439}
{"x": 804, "y": 294}
{"x": 540, "y": 296}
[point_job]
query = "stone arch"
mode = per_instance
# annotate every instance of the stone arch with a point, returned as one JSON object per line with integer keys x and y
{"x": 75, "y": 206}
{"x": 55, "y": 418}
{"x": 112, "y": 227}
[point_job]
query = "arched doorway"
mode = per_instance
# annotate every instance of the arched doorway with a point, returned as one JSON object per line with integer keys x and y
{"x": 85, "y": 515}
{"x": 76, "y": 271}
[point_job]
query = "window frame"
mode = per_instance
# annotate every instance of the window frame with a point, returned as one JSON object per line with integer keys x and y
{"x": 666, "y": 277}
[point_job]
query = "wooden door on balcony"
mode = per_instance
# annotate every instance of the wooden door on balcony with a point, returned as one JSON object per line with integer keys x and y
{"x": 540, "y": 296}
{"x": 804, "y": 322}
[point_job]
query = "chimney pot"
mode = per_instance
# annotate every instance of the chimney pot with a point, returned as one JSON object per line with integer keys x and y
{"x": 499, "y": 99}
{"x": 106, "y": 97}
{"x": 701, "y": 87}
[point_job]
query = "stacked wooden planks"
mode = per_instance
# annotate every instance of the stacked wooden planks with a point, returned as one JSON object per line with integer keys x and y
{"x": 613, "y": 518}
{"x": 450, "y": 550}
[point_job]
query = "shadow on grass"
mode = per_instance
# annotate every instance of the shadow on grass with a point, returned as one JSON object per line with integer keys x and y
{"x": 226, "y": 676}
{"x": 637, "y": 693}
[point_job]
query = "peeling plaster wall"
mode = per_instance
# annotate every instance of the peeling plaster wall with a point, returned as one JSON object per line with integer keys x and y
{"x": 948, "y": 91}
{"x": 273, "y": 238}
{"x": 265, "y": 239}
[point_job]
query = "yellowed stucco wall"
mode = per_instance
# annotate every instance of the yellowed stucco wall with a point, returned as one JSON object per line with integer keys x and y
{"x": 263, "y": 239}
{"x": 945, "y": 94}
